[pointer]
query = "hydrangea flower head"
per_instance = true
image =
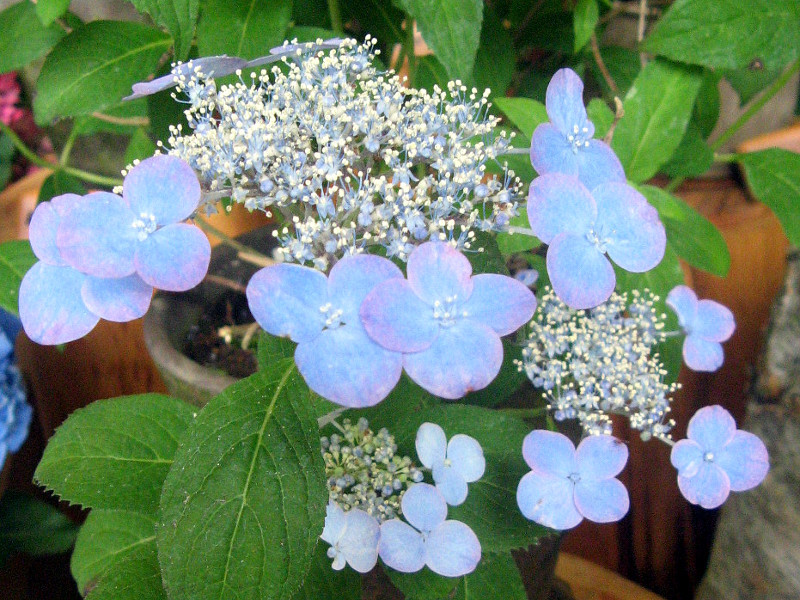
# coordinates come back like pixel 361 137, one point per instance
pixel 582 227
pixel 707 323
pixel 334 354
pixel 353 536
pixel 15 412
pixel 446 322
pixel 566 485
pixel 716 458
pixel 565 145
pixel 454 464
pixel 448 548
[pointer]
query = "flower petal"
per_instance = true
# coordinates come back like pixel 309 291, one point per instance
pixel 600 457
pixel 745 460
pixel 466 356
pixel 43 227
pixel 174 258
pixel 355 276
pixel 580 275
pixel 437 271
pixel 598 164
pixel 709 487
pixel 711 427
pixel 549 452
pixel 548 500
pixel 395 317
pixel 466 456
pixel 335 523
pixel 713 321
pixel 683 301
pixel 120 300
pixel 450 483
pixel 557 204
pixel 424 507
pixel 564 103
pixel 603 501
pixel 702 355
pixel 50 305
pixel 686 456
pixel 452 549
pixel 501 302
pixel 401 546
pixel 162 186
pixel 431 444
pixel 551 152
pixel 359 541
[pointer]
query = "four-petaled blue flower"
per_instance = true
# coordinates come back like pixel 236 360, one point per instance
pixel 334 354
pixel 448 548
pixel 353 536
pixel 453 464
pixel 707 323
pixel 565 145
pixel 716 458
pixel 581 227
pixel 446 322
pixel 566 485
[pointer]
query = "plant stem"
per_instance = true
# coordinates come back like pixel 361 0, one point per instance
pixel 410 51
pixel 598 58
pixel 335 12
pixel 64 158
pixel 226 239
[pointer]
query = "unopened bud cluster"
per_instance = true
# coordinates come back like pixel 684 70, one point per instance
pixel 364 471
pixel 592 364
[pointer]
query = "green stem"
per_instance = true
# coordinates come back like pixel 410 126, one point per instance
pixel 410 51
pixel 730 157
pixel 335 12
pixel 65 151
pixel 226 239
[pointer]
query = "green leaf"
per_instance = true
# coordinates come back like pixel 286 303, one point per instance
pixel 29 525
pixel 115 453
pixel 706 108
pixel 16 257
pixel 692 157
pixel 106 538
pixel 497 576
pixel 430 72
pixel 163 112
pixel 507 382
pixel 272 349
pixel 601 116
pixel 451 28
pixel 139 147
pixel 134 577
pixel 694 238
pixel 485 256
pixel 247 29
pixel 728 34
pixel 749 82
pixel 309 34
pixel 123 118
pixel 774 177
pixel 321 581
pixel 657 110
pixel 623 65
pixel 178 16
pixel 510 243
pixel 95 66
pixel 423 585
pixel 586 16
pixel 495 60
pixel 404 401
pixel 24 37
pixel 525 114
pixel 58 183
pixel 49 10
pixel 244 503
pixel 520 164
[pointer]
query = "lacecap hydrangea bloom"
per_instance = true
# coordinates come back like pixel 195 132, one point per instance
pixel 15 412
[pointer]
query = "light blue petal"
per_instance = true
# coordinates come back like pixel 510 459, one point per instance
pixel 44 228
pixel 597 164
pixel 711 427
pixel 548 500
pixel 286 299
pixel 564 103
pixel 709 487
pixel 162 186
pixel 601 457
pixel 50 305
pixel 686 456
pixel 745 459
pixel 702 355
pixel 359 541
pixel 557 204
pixel 452 550
pixel 218 66
pixel 501 302
pixel 450 483
pixel 551 152
pixel 713 321
pixel 580 275
pixel 174 258
pixel 549 452
pixel 603 501
pixel 97 236
pixel 466 456
pixel 466 356
pixel 683 301
pixel 437 271
pixel 431 444
pixel 120 300
pixel 401 547
pixel 23 414
pixel 344 366
pixel 396 318
pixel 335 524
pixel 355 276
pixel 630 228
pixel 424 507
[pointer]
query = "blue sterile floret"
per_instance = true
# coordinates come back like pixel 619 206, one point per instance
pixel 353 536
pixel 453 464
pixel 15 412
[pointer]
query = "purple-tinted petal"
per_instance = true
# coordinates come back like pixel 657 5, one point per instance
pixel 702 355
pixel 437 271
pixel 216 66
pixel 452 549
pixel 450 483
pixel 501 302
pixel 551 152
pixel 97 236
pixel 146 88
pixel 395 317
pixel 285 299
pixel 548 500
pixel 287 48
pixel 603 501
pixel 424 507
pixel 466 356
pixel 745 460
pixel 401 546
pixel 174 258
pixel 550 453
pixel 162 186
pixel 431 444
pixel 711 427
pixel 598 164
pixel 43 228
pixel 686 456
pixel 713 321
pixel 344 366
pixel 359 541
pixel 709 486
pixel 335 524
pixel 557 204
pixel 564 103
pixel 683 301
pixel 466 456
pixel 629 227
pixel 120 300
pixel 50 305
pixel 580 275
pixel 353 277
pixel 600 457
